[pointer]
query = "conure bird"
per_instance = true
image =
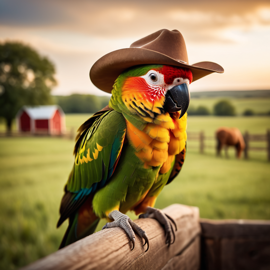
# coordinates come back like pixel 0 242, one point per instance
pixel 126 153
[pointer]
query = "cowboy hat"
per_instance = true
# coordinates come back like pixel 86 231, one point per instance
pixel 162 47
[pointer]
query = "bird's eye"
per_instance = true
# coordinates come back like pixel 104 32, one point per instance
pixel 153 77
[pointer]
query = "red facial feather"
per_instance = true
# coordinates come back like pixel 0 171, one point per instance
pixel 140 85
pixel 170 73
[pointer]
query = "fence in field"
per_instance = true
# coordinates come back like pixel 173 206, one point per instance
pixel 67 135
pixel 249 139
pixel 258 138
pixel 199 244
pixel 192 136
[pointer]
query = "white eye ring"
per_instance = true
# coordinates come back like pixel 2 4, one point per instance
pixel 153 77
pixel 180 80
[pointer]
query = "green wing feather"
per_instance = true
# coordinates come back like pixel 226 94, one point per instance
pixel 97 152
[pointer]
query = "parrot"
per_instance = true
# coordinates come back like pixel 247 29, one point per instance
pixel 126 153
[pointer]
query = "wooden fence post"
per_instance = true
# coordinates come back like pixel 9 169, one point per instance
pixel 235 244
pixel 201 136
pixel 72 134
pixel 268 144
pixel 246 138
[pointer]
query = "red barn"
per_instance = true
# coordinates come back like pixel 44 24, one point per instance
pixel 41 120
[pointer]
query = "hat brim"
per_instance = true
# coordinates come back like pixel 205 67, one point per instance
pixel 105 70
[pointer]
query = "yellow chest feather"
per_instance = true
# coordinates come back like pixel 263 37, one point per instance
pixel 159 142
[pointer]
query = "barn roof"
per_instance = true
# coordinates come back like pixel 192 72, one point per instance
pixel 42 112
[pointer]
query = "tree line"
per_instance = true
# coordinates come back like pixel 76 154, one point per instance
pixel 222 108
pixel 78 103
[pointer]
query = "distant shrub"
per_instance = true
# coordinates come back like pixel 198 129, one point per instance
pixel 248 112
pixel 79 103
pixel 224 108
pixel 202 110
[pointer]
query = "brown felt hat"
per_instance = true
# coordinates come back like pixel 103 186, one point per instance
pixel 162 47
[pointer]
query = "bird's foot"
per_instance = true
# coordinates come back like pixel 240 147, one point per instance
pixel 124 222
pixel 166 222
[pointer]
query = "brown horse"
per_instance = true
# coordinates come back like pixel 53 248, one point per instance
pixel 230 137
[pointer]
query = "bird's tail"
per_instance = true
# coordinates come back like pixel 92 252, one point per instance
pixel 72 234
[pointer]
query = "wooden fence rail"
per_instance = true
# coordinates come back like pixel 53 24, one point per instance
pixel 249 138
pixel 110 249
pixel 15 134
pixel 199 245
pixel 192 136
pixel 257 138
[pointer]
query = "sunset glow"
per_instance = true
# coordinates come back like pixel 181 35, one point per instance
pixel 234 34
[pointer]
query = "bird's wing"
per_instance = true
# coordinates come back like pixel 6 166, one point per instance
pixel 97 152
pixel 178 164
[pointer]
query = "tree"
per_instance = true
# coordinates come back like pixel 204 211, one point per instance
pixel 224 108
pixel 202 110
pixel 248 112
pixel 26 78
pixel 77 103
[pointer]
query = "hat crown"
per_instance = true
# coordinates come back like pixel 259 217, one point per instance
pixel 163 47
pixel 170 43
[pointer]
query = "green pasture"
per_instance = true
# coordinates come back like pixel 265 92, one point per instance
pixel 33 171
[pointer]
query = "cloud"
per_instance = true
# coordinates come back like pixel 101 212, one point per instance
pixel 199 20
pixel 74 34
pixel 30 13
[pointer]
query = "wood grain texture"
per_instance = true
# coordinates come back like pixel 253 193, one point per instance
pixel 110 249
pixel 246 254
pixel 235 228
pixel 188 259
pixel 235 244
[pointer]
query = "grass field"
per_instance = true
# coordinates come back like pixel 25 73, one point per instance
pixel 34 171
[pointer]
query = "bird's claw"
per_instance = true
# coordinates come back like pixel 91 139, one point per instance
pixel 124 222
pixel 166 221
pixel 132 243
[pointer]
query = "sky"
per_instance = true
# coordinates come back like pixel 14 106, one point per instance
pixel 75 34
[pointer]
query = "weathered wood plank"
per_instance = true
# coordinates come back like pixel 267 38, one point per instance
pixel 109 249
pixel 235 244
pixel 186 260
pixel 235 228
pixel 246 254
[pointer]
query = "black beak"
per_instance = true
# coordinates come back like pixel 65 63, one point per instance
pixel 177 99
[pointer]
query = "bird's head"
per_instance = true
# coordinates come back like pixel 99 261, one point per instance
pixel 152 90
